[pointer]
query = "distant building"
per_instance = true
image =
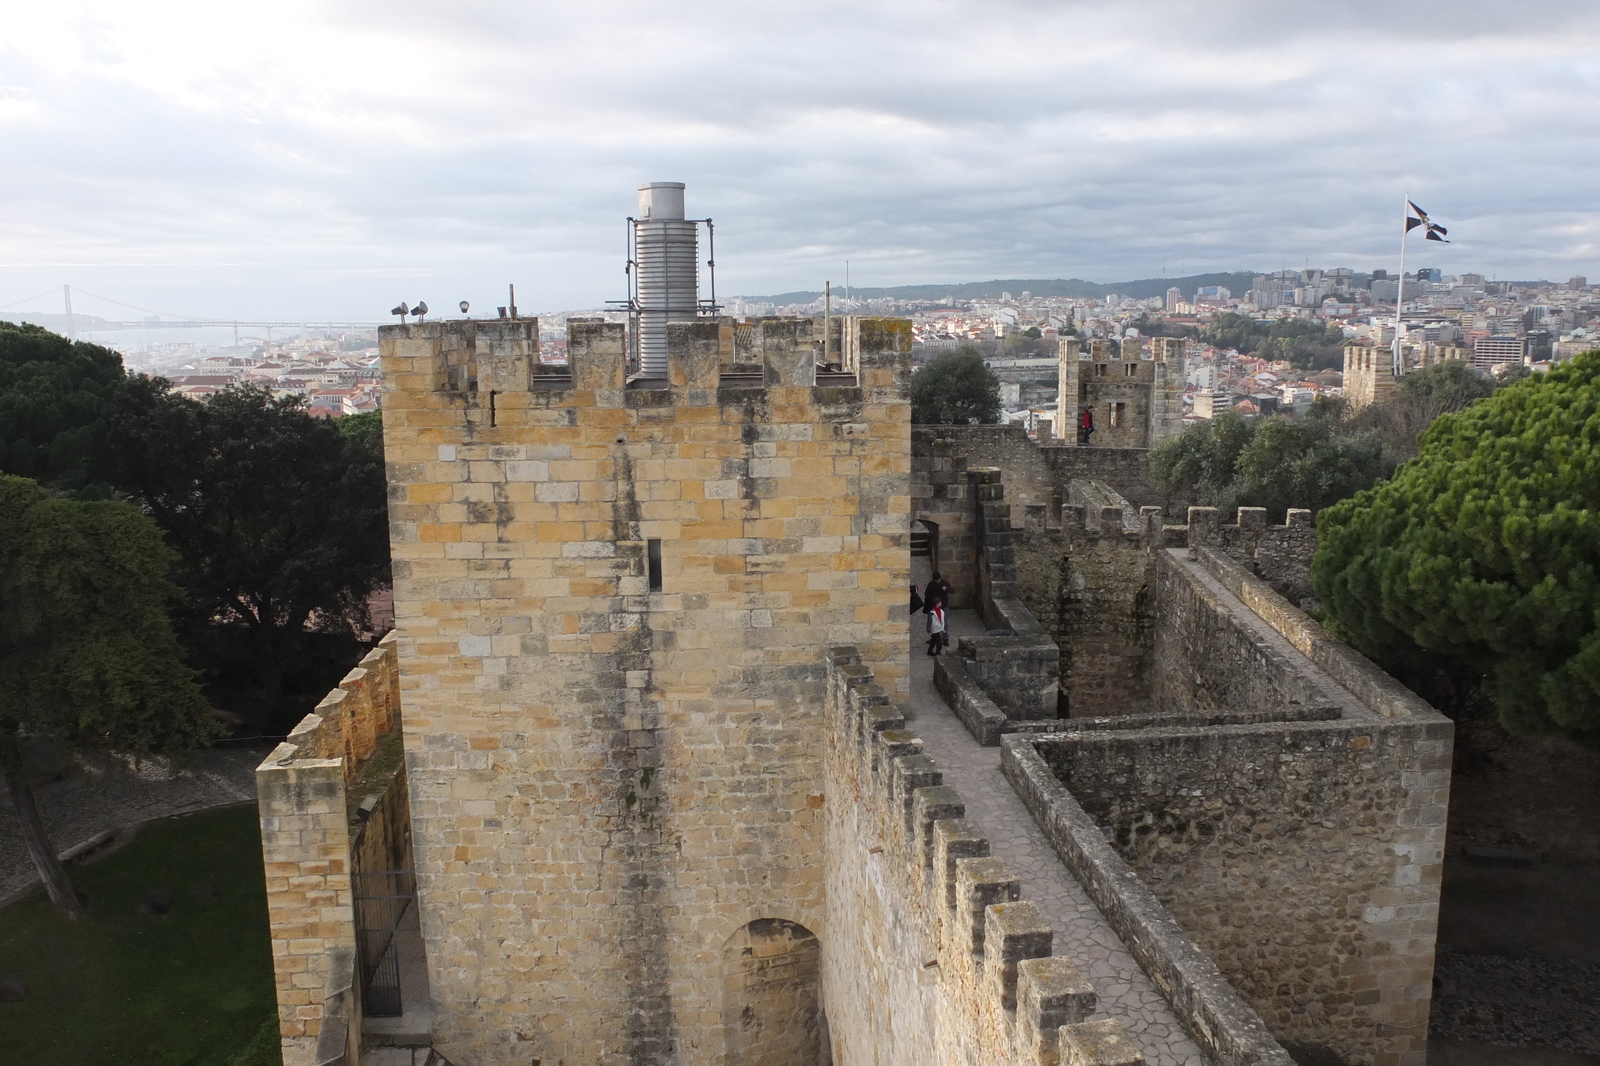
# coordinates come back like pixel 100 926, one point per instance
pixel 1489 352
pixel 1174 298
pixel 1579 282
pixel 1472 281
pixel 1565 349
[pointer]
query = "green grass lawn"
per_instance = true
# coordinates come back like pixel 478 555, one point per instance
pixel 192 987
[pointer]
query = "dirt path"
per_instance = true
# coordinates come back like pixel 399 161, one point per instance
pixel 87 802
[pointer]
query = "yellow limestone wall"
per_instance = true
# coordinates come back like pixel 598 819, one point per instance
pixel 306 838
pixel 608 783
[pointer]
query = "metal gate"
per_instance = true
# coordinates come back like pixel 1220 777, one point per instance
pixel 382 899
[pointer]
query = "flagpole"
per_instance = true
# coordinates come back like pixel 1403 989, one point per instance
pixel 1400 290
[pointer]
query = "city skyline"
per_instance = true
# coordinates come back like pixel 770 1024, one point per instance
pixel 330 162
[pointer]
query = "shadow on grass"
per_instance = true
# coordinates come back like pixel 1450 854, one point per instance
pixel 126 986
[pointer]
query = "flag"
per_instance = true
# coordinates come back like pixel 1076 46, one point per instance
pixel 1435 232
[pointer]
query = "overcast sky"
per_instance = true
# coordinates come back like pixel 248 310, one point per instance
pixel 302 158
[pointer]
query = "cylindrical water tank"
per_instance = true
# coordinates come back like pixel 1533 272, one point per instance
pixel 667 264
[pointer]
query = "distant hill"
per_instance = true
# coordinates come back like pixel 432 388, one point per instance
pixel 1142 289
pixel 54 322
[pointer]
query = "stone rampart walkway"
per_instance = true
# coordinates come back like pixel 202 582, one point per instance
pixel 1081 933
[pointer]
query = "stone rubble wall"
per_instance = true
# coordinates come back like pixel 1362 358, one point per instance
pixel 1033 474
pixel 933 956
pixel 1092 584
pixel 1017 666
pixel 1205 657
pixel 1278 555
pixel 981 715
pixel 306 838
pixel 939 500
pixel 1213 1012
pixel 382 839
pixel 1303 854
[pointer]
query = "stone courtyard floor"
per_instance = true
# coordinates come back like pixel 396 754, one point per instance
pixel 1125 993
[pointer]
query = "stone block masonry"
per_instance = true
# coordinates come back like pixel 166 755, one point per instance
pixel 1135 402
pixel 1016 664
pixel 307 838
pixel 614 601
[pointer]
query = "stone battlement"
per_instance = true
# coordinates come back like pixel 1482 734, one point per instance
pixel 1369 375
pixel 1135 402
pixel 903 855
pixel 349 720
pixel 313 841
pixel 491 368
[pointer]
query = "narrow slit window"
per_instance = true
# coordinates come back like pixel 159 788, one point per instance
pixel 653 563
pixel 1116 413
pixel 1132 369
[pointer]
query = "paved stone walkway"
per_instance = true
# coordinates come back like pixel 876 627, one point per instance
pixel 86 802
pixel 1082 934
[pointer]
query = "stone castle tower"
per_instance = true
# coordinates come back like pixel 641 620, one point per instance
pixel 1135 402
pixel 1369 375
pixel 614 601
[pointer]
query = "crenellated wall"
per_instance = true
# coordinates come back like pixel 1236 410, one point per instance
pixel 934 956
pixel 310 836
pixel 1033 476
pixel 1092 584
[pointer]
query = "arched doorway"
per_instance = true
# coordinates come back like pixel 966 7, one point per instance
pixel 925 541
pixel 772 996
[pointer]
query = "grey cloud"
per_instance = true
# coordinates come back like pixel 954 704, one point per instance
pixel 921 141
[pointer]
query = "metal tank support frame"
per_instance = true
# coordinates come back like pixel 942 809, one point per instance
pixel 661 266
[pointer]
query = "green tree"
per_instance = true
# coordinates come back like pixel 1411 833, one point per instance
pixel 1303 342
pixel 1277 462
pixel 1028 343
pixel 1160 327
pixel 87 652
pixel 1200 466
pixel 1484 551
pixel 955 388
pixel 54 396
pixel 1305 462
pixel 279 518
pixel 1422 397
